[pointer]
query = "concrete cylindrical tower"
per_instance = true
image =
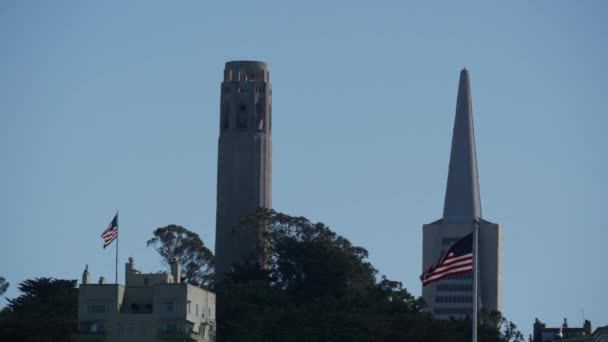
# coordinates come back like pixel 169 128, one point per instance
pixel 244 166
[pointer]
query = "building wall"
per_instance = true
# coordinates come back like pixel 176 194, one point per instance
pixel 452 296
pixel 244 160
pixel 159 312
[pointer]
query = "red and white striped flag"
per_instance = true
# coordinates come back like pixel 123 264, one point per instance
pixel 111 233
pixel 456 260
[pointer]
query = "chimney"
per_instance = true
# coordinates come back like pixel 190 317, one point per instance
pixel 587 327
pixel 176 272
pixel 86 276
pixel 102 280
pixel 565 325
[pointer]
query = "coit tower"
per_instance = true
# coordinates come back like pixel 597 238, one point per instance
pixel 244 163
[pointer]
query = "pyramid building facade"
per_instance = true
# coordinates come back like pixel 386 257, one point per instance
pixel 453 296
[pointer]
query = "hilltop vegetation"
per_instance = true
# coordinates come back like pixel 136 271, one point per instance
pixel 315 286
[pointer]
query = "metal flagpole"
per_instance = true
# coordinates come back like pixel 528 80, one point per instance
pixel 116 265
pixel 475 273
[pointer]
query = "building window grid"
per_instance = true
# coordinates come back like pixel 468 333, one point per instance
pixel 465 276
pixel 453 299
pixel 452 311
pixel 454 287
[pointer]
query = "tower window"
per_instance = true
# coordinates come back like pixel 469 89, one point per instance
pixel 242 121
pixel 225 117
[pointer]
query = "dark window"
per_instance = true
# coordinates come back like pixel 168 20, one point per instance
pixel 169 307
pixel 225 116
pixel 242 121
pixel 260 113
pixel 454 299
pixel 98 308
pixel 455 287
pixel 452 311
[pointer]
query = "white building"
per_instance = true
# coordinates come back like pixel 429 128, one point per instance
pixel 149 307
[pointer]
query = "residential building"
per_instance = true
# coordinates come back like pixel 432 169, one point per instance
pixel 542 333
pixel 149 307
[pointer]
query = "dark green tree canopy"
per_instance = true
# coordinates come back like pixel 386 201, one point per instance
pixel 46 310
pixel 178 244
pixel 315 285
pixel 3 285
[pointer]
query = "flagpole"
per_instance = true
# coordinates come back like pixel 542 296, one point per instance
pixel 116 265
pixel 475 275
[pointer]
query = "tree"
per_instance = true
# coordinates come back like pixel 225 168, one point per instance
pixel 3 285
pixel 178 244
pixel 315 285
pixel 506 331
pixel 46 310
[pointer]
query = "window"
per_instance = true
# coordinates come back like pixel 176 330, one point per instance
pixel 189 305
pixel 169 307
pixel 169 327
pixel 455 287
pixel 131 328
pixel 146 281
pixel 98 308
pixel 455 299
pixel 96 327
pixel 452 311
pixel 225 116
pixel 242 121
pixel 462 276
pixel 196 308
pixel 91 327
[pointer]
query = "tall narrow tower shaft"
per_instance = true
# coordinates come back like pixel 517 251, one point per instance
pixel 244 167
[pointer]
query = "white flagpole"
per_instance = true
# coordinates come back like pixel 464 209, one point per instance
pixel 116 265
pixel 475 275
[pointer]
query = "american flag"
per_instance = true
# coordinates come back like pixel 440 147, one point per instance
pixel 111 233
pixel 456 260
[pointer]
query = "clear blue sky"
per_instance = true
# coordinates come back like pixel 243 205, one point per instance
pixel 112 105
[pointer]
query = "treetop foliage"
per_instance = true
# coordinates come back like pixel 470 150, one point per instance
pixel 3 285
pixel 315 285
pixel 46 310
pixel 177 244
